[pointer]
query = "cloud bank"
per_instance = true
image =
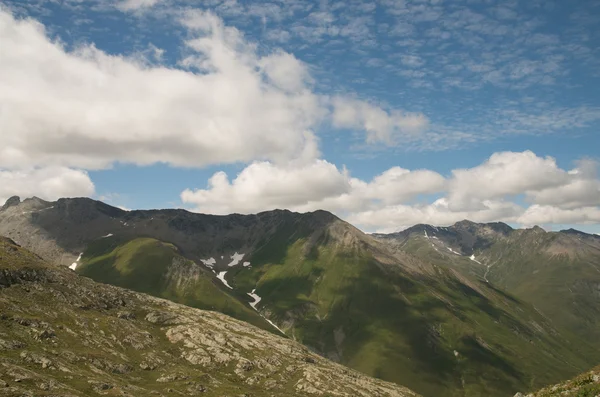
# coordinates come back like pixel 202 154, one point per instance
pixel 516 187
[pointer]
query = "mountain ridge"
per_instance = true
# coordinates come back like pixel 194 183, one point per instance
pixel 349 296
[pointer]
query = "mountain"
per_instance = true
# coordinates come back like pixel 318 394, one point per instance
pixel 557 272
pixel 63 334
pixel 360 300
pixel 584 385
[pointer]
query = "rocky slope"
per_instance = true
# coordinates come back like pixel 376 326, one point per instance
pixel 345 295
pixel 63 334
pixel 584 385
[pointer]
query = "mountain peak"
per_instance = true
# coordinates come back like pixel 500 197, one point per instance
pixel 464 223
pixel 11 202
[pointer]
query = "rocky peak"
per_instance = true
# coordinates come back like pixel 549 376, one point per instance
pixel 11 202
pixel 465 223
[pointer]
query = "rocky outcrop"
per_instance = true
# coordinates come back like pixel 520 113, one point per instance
pixel 11 202
pixel 587 384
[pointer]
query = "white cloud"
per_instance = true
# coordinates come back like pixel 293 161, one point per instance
pixel 394 199
pixel 581 190
pixel 48 183
pixel 130 5
pixel 544 214
pixel 263 186
pixel 503 174
pixel 286 71
pixel 398 217
pixel 87 109
pixel 307 187
pixel 380 125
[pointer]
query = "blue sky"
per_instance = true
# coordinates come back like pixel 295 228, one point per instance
pixel 386 88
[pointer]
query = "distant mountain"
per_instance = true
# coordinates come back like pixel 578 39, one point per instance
pixel 372 303
pixel 558 272
pixel 64 335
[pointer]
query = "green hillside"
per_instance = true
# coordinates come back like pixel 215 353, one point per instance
pixel 557 272
pixel 154 267
pixel 65 335
pixel 413 309
pixel 439 333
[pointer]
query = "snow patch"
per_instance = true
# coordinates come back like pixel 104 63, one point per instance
pixel 235 259
pixel 210 262
pixel 76 263
pixel 246 264
pixel 108 235
pixel 221 276
pixel 273 324
pixel 472 257
pixel 425 231
pixel 451 250
pixel 253 304
pixel 256 298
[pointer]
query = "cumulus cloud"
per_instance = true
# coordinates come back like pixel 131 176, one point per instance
pixel 582 189
pixel 49 183
pixel 398 217
pixel 89 109
pixel 503 174
pixel 544 214
pixel 398 198
pixel 224 104
pixel 317 185
pixel 380 125
pixel 263 185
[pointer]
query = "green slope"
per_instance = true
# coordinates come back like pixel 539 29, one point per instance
pixel 154 267
pixel 438 333
pixel 430 324
pixel 557 272
pixel 65 335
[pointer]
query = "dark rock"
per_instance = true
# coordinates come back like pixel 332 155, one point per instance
pixel 11 202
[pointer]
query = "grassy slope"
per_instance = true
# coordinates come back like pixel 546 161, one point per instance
pixel 564 287
pixel 144 265
pixel 393 326
pixel 88 333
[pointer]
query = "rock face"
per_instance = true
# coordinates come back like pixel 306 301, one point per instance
pixel 63 334
pixel 11 202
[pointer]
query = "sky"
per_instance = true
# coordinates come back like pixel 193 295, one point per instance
pixel 388 113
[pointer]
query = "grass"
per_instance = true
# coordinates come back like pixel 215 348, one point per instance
pixel 147 265
pixel 406 329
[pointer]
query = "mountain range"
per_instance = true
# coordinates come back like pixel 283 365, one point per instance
pixel 467 310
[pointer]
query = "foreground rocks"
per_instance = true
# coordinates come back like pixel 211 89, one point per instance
pixel 585 385
pixel 61 334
